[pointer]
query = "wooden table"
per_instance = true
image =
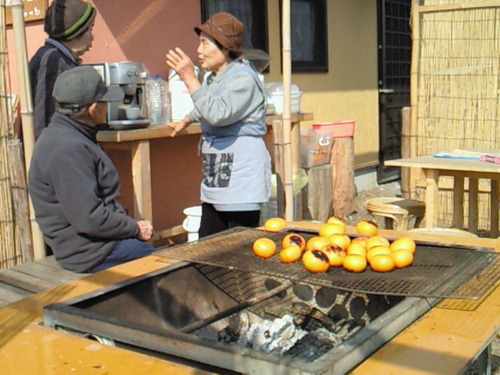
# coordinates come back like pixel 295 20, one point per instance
pixel 137 141
pixel 459 169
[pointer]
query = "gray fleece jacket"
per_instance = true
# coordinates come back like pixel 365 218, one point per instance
pixel 74 186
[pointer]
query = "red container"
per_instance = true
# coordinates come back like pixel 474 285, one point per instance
pixel 337 129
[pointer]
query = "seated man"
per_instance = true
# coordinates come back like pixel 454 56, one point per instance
pixel 74 185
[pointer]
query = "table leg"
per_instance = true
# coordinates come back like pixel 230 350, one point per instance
pixel 494 208
pixel 431 197
pixel 458 202
pixel 473 204
pixel 141 180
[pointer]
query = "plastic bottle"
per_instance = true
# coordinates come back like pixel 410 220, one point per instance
pixel 157 99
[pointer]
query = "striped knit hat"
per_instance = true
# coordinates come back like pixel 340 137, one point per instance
pixel 68 19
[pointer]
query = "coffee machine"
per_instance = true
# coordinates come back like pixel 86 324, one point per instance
pixel 131 112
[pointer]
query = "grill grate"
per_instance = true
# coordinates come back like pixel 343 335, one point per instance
pixel 437 271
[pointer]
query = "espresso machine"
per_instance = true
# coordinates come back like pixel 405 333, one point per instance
pixel 131 112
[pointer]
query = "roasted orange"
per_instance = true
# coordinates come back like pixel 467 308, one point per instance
pixel 354 263
pixel 327 230
pixel 377 250
pixel 315 261
pixel 317 242
pixel 376 241
pixel 382 263
pixel 367 228
pixel 264 247
pixel 335 254
pixel 404 243
pixel 335 220
pixel 402 258
pixel 356 248
pixel 293 239
pixel 274 224
pixel 360 240
pixel 342 240
pixel 290 254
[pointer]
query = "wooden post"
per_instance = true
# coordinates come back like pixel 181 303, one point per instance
pixel 342 167
pixel 405 150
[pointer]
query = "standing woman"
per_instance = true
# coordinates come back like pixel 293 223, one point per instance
pixel 230 104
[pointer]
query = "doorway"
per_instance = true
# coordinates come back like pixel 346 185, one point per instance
pixel 394 63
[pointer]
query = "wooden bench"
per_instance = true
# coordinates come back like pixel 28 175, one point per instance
pixel 33 277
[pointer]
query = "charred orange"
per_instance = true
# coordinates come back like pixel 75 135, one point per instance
pixel 315 261
pixel 293 239
pixel 335 254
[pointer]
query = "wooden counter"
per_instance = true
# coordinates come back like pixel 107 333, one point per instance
pixel 443 341
pixel 137 142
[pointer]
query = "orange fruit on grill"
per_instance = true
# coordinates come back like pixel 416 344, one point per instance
pixel 382 263
pixel 357 249
pixel 293 239
pixel 290 254
pixel 377 250
pixel 327 230
pixel 264 247
pixel 360 240
pixel 342 240
pixel 354 263
pixel 335 220
pixel 402 258
pixel 404 243
pixel 367 228
pixel 335 254
pixel 376 241
pixel 317 242
pixel 274 224
pixel 315 261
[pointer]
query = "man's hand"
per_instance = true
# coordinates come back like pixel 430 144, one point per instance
pixel 145 230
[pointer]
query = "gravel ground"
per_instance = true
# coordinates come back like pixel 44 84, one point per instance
pixel 393 190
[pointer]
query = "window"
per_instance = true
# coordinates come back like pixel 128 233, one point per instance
pixel 308 28
pixel 309 36
pixel 253 14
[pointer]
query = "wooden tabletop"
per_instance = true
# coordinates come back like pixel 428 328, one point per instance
pixel 431 162
pixel 162 131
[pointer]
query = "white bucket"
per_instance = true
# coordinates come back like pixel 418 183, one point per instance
pixel 191 223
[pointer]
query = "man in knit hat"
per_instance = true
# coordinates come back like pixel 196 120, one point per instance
pixel 68 24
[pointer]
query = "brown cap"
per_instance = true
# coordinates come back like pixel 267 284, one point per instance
pixel 225 29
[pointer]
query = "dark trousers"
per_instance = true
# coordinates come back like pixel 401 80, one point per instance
pixel 124 251
pixel 213 221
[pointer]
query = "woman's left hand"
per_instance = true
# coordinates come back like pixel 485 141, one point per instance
pixel 182 64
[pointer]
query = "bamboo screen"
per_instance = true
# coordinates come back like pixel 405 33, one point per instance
pixel 457 71
pixel 10 247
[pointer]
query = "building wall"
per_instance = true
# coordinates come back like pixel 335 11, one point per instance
pixel 145 30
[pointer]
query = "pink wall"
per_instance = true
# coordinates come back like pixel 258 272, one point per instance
pixel 129 30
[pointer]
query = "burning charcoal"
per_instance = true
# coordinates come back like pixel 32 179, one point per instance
pixel 275 336
pixel 314 345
